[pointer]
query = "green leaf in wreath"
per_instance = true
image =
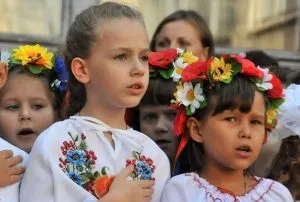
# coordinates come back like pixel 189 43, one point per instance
pixel 35 69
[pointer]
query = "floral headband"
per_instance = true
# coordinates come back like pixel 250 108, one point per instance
pixel 190 74
pixel 38 59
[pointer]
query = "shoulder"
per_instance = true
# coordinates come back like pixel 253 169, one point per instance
pixel 270 190
pixel 184 187
pixel 184 181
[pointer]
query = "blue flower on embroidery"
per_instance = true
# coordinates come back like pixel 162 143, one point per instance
pixel 76 157
pixel 144 170
pixel 75 177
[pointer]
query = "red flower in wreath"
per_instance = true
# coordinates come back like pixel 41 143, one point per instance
pixel 276 91
pixel 197 70
pixel 248 67
pixel 162 58
pixel 179 121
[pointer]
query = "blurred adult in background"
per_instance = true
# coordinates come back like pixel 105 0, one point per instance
pixel 184 29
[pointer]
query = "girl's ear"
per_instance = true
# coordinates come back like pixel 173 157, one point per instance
pixel 80 70
pixel 3 74
pixel 193 126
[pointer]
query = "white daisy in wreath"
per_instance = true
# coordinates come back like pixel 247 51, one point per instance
pixel 265 84
pixel 190 96
pixel 179 66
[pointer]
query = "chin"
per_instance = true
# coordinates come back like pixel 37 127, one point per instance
pixel 132 103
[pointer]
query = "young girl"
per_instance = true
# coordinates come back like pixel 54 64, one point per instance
pixel 225 106
pixel 27 107
pixel 79 159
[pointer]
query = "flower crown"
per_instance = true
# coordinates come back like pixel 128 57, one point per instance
pixel 190 74
pixel 38 59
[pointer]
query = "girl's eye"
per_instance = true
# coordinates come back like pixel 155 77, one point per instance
pixel 120 57
pixel 37 106
pixel 256 122
pixel 150 117
pixel 12 107
pixel 230 119
pixel 144 58
pixel 171 115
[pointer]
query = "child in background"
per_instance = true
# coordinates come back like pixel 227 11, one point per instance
pixel 31 99
pixel 27 107
pixel 225 107
pixel 84 157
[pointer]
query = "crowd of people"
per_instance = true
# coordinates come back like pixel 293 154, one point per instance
pixel 119 117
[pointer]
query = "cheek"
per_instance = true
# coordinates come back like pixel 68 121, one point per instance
pixel 44 120
pixel 8 124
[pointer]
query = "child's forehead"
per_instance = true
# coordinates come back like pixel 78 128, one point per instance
pixel 121 30
pixel 237 104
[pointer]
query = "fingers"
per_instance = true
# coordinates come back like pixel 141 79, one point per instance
pixel 13 161
pixel 6 154
pixel 15 178
pixel 125 172
pixel 16 170
pixel 145 184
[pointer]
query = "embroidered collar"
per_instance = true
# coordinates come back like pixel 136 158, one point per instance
pixel 129 136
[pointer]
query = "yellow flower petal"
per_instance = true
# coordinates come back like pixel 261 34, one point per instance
pixel 189 58
pixel 33 55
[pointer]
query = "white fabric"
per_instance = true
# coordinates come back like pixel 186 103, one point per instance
pixel 11 193
pixel 45 181
pixel 190 187
pixel 289 113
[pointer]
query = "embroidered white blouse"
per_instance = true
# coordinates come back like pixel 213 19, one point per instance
pixel 11 193
pixel 190 187
pixel 73 161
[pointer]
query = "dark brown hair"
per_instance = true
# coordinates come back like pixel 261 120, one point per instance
pixel 196 20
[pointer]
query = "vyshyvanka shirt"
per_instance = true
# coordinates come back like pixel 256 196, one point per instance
pixel 190 187
pixel 73 161
pixel 11 193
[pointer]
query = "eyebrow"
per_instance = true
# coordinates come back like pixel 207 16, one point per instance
pixel 129 49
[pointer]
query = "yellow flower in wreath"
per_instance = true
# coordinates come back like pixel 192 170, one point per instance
pixel 189 58
pixel 33 55
pixel 219 70
pixel 271 115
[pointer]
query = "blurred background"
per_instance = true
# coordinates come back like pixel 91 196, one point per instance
pixel 237 25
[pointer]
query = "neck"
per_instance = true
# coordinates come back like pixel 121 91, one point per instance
pixel 112 116
pixel 225 178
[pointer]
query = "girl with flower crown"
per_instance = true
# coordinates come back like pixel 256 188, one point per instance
pixel 29 103
pixel 94 155
pixel 225 108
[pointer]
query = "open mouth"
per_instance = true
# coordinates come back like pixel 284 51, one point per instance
pixel 161 142
pixel 244 148
pixel 26 132
pixel 135 86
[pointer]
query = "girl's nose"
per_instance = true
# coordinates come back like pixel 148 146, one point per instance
pixel 25 114
pixel 245 131
pixel 161 126
pixel 139 68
